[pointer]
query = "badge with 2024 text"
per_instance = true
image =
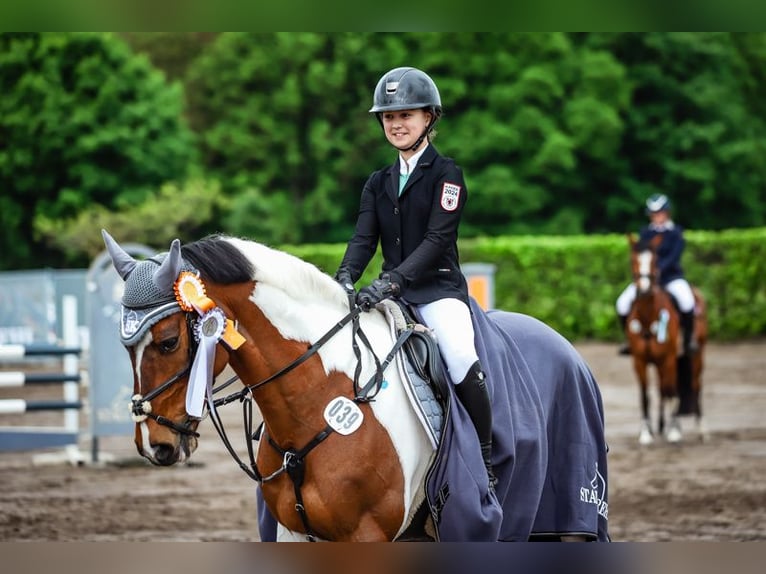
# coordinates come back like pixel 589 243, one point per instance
pixel 450 196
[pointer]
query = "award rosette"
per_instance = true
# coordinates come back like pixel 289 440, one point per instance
pixel 208 331
pixel 190 293
pixel 211 327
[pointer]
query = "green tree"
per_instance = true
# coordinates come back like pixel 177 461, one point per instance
pixel 281 121
pixel 171 52
pixel 695 128
pixel 82 121
pixel 173 211
pixel 536 121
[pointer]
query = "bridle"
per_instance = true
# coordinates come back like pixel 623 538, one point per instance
pixel 293 459
pixel 141 406
pixel 647 287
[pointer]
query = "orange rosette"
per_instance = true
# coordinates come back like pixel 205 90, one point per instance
pixel 190 293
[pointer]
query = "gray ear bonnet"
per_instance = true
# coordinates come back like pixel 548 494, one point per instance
pixel 149 294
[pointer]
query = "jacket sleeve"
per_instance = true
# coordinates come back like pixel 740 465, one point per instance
pixel 362 245
pixel 449 198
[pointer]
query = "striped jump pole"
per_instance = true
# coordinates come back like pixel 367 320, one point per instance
pixel 14 438
pixel 20 406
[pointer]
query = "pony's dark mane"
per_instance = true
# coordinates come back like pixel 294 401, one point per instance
pixel 218 260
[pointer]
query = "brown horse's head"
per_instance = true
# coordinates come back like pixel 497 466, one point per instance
pixel 159 336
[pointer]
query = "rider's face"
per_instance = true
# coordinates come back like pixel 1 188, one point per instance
pixel 658 217
pixel 404 127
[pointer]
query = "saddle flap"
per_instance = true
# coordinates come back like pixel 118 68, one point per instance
pixel 422 351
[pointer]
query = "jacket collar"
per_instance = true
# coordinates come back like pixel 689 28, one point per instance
pixel 392 182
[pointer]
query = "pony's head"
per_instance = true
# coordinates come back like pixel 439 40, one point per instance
pixel 643 263
pixel 159 335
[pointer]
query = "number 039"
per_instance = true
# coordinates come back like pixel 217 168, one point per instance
pixel 343 415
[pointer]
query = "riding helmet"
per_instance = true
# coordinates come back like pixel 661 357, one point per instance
pixel 657 202
pixel 406 89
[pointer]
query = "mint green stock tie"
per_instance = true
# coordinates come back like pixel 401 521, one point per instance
pixel 403 177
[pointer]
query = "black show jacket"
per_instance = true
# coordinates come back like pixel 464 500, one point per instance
pixel 418 230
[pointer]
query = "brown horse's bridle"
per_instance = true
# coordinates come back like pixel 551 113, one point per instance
pixel 141 407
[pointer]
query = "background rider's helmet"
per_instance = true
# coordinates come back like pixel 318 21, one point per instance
pixel 406 89
pixel 657 202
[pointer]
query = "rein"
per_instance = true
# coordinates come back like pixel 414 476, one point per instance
pixel 293 461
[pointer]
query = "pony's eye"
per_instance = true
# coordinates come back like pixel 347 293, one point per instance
pixel 168 345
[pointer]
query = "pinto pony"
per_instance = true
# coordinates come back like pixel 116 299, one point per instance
pixel 342 453
pixel 653 332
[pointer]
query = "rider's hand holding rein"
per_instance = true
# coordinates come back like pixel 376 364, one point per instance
pixel 375 292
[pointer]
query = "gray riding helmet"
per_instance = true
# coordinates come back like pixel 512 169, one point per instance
pixel 657 202
pixel 405 89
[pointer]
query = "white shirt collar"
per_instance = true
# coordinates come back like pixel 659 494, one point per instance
pixel 406 167
pixel 662 226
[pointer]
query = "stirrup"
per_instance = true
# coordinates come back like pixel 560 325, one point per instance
pixel 492 479
pixel 624 349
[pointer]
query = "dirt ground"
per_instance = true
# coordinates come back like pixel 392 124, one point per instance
pixel 711 490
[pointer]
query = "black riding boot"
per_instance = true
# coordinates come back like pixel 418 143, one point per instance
pixel 473 393
pixel 624 346
pixel 687 325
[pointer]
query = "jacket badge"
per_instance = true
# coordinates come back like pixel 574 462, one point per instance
pixel 450 196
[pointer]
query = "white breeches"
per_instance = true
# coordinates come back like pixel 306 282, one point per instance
pixel 679 288
pixel 450 319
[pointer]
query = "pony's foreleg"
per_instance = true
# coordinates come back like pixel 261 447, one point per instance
pixel 669 400
pixel 645 435
pixel 701 426
pixel 674 429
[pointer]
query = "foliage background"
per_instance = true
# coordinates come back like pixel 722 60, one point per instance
pixel 267 135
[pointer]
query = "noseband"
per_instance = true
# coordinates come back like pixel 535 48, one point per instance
pixel 141 406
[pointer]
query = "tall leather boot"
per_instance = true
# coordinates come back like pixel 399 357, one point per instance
pixel 473 393
pixel 687 325
pixel 624 346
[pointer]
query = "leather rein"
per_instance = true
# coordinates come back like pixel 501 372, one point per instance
pixel 293 461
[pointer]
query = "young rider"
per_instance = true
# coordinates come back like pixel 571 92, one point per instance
pixel 671 275
pixel 413 208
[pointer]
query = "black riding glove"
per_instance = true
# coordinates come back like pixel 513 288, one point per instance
pixel 344 278
pixel 375 292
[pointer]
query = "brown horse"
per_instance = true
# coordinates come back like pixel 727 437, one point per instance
pixel 653 332
pixel 343 454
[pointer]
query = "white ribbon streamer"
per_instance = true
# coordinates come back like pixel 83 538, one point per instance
pixel 209 329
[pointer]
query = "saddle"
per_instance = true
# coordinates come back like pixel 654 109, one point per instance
pixel 425 374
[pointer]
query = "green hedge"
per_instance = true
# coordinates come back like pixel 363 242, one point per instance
pixel 572 282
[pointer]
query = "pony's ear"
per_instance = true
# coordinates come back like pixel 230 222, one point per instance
pixel 122 261
pixel 167 273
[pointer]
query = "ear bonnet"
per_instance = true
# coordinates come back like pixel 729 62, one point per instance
pixel 149 294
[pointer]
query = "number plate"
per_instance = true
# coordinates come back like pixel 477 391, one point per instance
pixel 343 415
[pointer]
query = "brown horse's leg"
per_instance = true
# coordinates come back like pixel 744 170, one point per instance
pixel 668 373
pixel 640 367
pixel 697 364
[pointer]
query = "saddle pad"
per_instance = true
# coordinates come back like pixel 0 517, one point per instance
pixel 420 393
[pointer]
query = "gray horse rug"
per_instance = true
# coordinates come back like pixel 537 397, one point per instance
pixel 549 450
